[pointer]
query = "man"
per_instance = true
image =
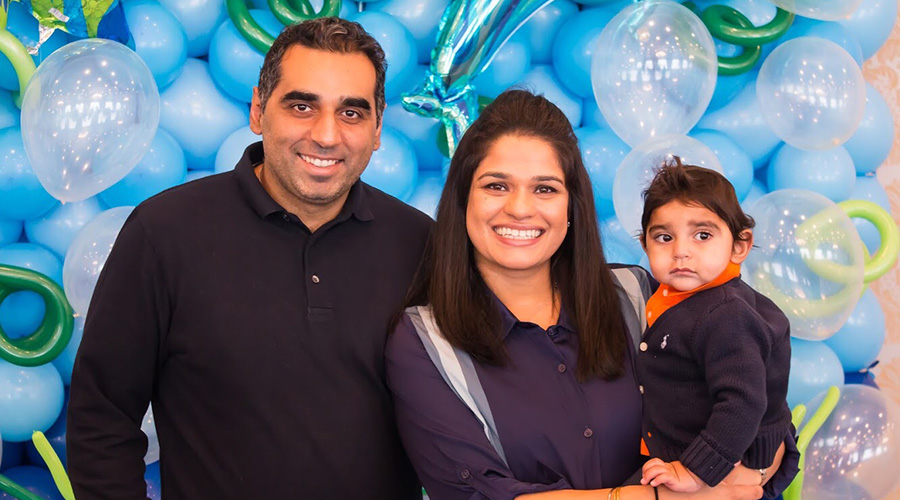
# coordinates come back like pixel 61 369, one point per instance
pixel 252 307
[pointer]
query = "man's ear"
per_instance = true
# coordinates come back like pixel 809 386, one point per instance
pixel 742 246
pixel 256 113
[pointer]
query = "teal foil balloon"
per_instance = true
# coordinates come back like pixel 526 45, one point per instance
pixel 470 33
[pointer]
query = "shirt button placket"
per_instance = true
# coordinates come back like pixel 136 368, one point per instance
pixel 315 279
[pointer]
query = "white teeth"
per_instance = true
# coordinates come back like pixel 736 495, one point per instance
pixel 516 234
pixel 317 162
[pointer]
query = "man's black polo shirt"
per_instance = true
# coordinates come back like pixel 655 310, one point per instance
pixel 260 345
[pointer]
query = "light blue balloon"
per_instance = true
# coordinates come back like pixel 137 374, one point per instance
pixel 759 12
pixel 399 49
pixel 591 116
pixel 728 87
pixel 233 63
pixel 22 312
pixel 868 188
pixel 541 29
pixel 66 359
pixel 615 252
pixel 10 231
pixel 198 115
pixel 829 172
pixel 737 166
pixel 163 166
pixel 30 399
pixel 421 131
pixel 199 19
pixel 574 46
pixel 510 64
pixel 858 343
pixel 428 193
pixel 193 175
pixel 871 23
pixel 829 30
pixel 870 144
pixel 393 168
pixel 158 38
pixel 757 190
pixel 542 80
pixel 233 147
pixel 21 194
pixel 611 229
pixel 25 27
pixel 602 152
pixel 57 228
pixel 9 112
pixel 742 121
pixel 420 17
pixel 814 368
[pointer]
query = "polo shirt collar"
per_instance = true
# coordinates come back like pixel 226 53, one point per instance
pixel 356 205
pixel 508 320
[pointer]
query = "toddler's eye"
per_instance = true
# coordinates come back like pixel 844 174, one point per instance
pixel 703 235
pixel 663 238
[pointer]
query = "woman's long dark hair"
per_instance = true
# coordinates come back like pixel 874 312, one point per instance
pixel 450 282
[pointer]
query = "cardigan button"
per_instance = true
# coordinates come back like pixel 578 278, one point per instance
pixel 643 346
pixel 588 432
pixel 465 474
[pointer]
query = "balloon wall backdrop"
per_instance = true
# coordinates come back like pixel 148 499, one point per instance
pixel 106 103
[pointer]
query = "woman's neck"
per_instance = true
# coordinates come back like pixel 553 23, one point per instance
pixel 530 295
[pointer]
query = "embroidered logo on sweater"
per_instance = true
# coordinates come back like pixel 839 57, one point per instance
pixel 663 344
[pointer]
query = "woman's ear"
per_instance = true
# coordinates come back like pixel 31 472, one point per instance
pixel 742 246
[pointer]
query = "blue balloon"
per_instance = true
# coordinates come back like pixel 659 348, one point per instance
pixel 193 175
pixel 37 480
pixel 511 62
pixel 21 24
pixel 158 38
pixel 814 368
pixel 233 63
pixel 13 455
pixel 21 194
pixel 30 399
pixel 617 253
pixel 736 164
pixel 154 485
pixel 233 148
pixel 10 231
pixel 22 312
pixel 56 436
pixel 393 167
pixel 574 46
pixel 198 115
pixel 542 27
pixel 591 116
pixel 829 30
pixel 868 188
pixel 66 359
pixel 199 19
pixel 870 144
pixel 728 87
pixel 421 131
pixel 57 228
pixel 611 230
pixel 757 191
pixel 602 152
pixel 399 48
pixel 859 341
pixel 542 80
pixel 428 193
pixel 871 23
pixel 861 378
pixel 759 12
pixel 9 113
pixel 742 120
pixel 420 17
pixel 829 172
pixel 162 167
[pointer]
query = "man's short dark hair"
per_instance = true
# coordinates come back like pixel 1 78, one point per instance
pixel 693 185
pixel 331 34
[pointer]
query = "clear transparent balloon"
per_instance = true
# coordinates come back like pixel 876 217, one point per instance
pixel 148 427
pixel 825 10
pixel 854 455
pixel 811 93
pixel 654 70
pixel 88 116
pixel 807 258
pixel 87 255
pixel 639 166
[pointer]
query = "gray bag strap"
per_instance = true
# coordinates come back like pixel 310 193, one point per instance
pixel 457 370
pixel 634 290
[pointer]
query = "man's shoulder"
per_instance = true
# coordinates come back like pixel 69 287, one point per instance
pixel 389 207
pixel 201 196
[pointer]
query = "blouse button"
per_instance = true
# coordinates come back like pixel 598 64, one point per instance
pixel 561 368
pixel 465 474
pixel 315 279
pixel 643 346
pixel 641 388
pixel 588 432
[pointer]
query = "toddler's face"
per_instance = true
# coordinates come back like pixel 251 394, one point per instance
pixel 689 245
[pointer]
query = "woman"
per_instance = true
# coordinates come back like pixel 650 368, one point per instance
pixel 513 376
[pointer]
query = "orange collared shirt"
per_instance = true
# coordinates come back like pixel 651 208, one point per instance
pixel 667 297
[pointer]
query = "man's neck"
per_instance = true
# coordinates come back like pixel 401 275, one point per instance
pixel 312 215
